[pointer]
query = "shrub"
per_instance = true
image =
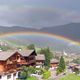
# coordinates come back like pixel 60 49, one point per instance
pixel 46 74
pixel 22 75
pixel 32 78
pixel 17 79
pixel 76 70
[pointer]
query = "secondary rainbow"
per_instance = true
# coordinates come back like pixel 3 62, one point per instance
pixel 39 33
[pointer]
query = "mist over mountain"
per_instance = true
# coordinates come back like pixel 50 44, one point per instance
pixel 71 30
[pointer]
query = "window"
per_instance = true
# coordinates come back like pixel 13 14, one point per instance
pixel 0 76
pixel 22 58
pixel 14 74
pixel 8 76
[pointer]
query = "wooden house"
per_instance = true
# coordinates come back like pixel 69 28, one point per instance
pixel 28 57
pixel 40 59
pixel 10 61
pixel 54 63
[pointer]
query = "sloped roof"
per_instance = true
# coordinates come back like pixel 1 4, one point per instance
pixel 4 55
pixel 78 67
pixel 40 57
pixel 25 53
pixel 54 61
pixel 73 64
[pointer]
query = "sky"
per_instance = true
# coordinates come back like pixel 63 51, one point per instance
pixel 39 13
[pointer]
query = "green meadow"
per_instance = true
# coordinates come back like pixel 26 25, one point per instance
pixel 71 77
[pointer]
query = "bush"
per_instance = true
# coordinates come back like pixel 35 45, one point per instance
pixel 17 79
pixel 31 70
pixel 46 74
pixel 22 75
pixel 5 48
pixel 32 78
pixel 76 70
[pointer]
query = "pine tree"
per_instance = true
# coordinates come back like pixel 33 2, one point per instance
pixel 48 56
pixel 61 66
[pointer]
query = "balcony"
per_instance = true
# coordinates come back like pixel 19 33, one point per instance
pixel 22 62
pixel 31 61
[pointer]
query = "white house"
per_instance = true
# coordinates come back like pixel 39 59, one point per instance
pixel 10 76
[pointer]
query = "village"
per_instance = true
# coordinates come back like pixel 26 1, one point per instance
pixel 39 39
pixel 29 64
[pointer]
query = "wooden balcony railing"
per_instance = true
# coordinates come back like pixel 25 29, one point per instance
pixel 31 61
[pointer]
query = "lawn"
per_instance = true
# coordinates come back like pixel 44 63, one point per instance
pixel 32 78
pixel 71 77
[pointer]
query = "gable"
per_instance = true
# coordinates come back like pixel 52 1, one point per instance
pixel 33 53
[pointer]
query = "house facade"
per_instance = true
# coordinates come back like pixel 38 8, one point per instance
pixel 12 61
pixel 28 58
pixel 54 63
pixel 9 76
pixel 40 59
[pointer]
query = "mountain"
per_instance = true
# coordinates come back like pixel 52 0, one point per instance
pixel 71 30
pixel 4 29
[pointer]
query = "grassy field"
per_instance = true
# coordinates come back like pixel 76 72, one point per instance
pixel 71 77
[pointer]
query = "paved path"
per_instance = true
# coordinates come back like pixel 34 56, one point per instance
pixel 54 77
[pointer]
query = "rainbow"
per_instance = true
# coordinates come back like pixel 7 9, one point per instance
pixel 40 34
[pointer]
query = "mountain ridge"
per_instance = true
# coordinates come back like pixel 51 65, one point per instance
pixel 71 30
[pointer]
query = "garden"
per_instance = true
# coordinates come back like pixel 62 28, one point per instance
pixel 32 73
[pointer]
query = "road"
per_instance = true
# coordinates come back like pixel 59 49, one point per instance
pixel 54 77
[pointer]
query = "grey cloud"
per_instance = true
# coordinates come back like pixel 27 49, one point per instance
pixel 35 17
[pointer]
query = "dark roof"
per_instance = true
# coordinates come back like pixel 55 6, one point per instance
pixel 40 57
pixel 4 55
